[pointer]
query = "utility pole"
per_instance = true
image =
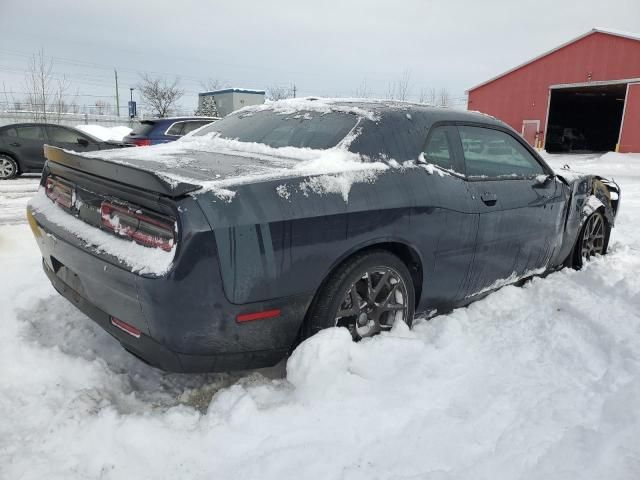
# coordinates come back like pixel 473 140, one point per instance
pixel 117 94
pixel 294 90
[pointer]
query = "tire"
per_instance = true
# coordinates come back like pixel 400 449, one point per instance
pixel 362 274
pixel 8 168
pixel 592 240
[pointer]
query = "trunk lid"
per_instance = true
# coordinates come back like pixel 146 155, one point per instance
pixel 124 173
pixel 171 171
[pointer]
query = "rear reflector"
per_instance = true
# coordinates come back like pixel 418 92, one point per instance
pixel 125 327
pixel 249 317
pixel 141 228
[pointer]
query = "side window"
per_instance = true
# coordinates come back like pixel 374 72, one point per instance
pixel 9 132
pixel 62 135
pixel 175 129
pixel 491 153
pixel 31 132
pixel 438 149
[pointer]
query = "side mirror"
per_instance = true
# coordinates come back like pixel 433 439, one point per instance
pixel 82 141
pixel 543 179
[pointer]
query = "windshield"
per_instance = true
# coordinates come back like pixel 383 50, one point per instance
pixel 303 129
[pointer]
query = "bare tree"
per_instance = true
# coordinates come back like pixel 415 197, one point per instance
pixel 278 92
pixel 60 104
pixel 213 84
pixel 444 98
pixel 159 94
pixel 428 96
pixel 362 91
pixel 399 90
pixel 404 86
pixel 45 92
pixel 102 107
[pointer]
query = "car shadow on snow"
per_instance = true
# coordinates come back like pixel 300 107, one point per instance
pixel 55 323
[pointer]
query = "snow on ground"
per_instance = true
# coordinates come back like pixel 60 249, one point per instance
pixel 536 382
pixel 106 133
pixel 13 198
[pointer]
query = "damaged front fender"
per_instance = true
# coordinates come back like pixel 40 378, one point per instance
pixel 588 194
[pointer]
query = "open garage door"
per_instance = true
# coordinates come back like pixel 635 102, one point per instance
pixel 585 118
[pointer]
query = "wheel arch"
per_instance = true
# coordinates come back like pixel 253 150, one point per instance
pixel 401 248
pixel 398 247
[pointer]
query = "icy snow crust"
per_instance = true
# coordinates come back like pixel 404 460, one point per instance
pixel 538 382
pixel 139 258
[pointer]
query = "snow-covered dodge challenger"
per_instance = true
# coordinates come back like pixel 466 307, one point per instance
pixel 227 248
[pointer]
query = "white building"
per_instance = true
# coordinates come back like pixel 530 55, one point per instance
pixel 231 99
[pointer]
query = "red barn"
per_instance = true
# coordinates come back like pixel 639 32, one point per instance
pixel 581 96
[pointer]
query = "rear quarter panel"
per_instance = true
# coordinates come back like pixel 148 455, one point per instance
pixel 280 238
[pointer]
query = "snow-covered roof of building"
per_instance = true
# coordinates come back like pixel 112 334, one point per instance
pixel 234 90
pixel 608 31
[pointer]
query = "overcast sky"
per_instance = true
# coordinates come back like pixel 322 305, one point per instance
pixel 323 47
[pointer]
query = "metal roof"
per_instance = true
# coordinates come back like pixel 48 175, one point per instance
pixel 234 90
pixel 617 33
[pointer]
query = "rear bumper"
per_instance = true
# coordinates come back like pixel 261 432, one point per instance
pixel 187 324
pixel 156 354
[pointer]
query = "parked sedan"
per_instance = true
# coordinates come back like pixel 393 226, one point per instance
pixel 226 249
pixel 163 130
pixel 22 145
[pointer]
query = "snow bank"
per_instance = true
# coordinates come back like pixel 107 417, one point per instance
pixel 106 133
pixel 536 382
pixel 141 259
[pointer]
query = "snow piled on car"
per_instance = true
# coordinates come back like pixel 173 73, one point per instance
pixel 332 170
pixel 536 382
pixel 116 133
pixel 293 106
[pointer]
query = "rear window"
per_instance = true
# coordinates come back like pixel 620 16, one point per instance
pixel 191 126
pixel 144 128
pixel 303 129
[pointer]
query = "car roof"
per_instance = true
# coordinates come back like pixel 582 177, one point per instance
pixel 39 124
pixel 374 108
pixel 176 119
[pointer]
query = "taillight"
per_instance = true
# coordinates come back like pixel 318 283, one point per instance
pixel 59 192
pixel 142 142
pixel 141 228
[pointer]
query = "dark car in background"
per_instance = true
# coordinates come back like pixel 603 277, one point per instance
pixel 22 145
pixel 226 250
pixel 163 130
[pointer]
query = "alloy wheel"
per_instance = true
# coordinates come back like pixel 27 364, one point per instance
pixel 373 303
pixel 593 237
pixel 7 168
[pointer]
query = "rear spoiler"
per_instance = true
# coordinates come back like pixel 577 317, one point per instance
pixel 125 174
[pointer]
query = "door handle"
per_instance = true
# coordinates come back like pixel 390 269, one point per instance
pixel 15 144
pixel 489 198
